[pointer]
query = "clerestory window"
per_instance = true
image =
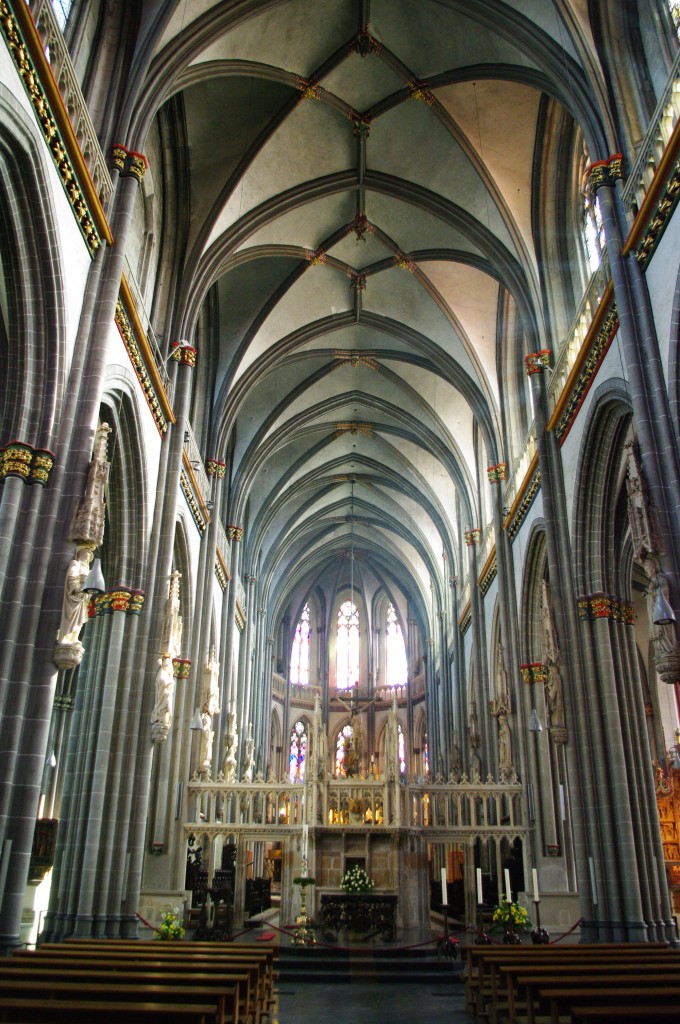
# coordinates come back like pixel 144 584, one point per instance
pixel 395 653
pixel 299 658
pixel 347 646
pixel 297 757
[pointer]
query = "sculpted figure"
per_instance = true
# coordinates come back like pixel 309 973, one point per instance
pixel 161 716
pixel 75 603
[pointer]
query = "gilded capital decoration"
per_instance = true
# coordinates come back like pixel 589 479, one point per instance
pixel 234 532
pixel 537 361
pixel 181 667
pixel 472 536
pixel 128 163
pixel 216 468
pixel 32 465
pixel 499 472
pixel 533 672
pixel 604 172
pixel 185 355
pixel 122 599
pixel 604 606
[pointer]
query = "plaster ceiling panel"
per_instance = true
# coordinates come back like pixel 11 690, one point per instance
pixel 307 226
pixel 241 294
pixel 397 294
pixel 411 142
pixel 412 228
pixel 182 18
pixel 360 338
pixel 473 298
pixel 362 81
pixel 360 253
pixel 213 152
pixel 499 119
pixel 429 466
pixel 430 38
pixel 546 17
pixel 310 298
pixel 296 36
pixel 314 140
pixel 443 401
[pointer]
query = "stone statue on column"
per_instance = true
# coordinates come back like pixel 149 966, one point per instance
pixel 210 705
pixel 231 740
pixel 249 762
pixel 170 646
pixel 475 742
pixel 500 707
pixel 392 743
pixel 648 550
pixel 87 532
pixel 551 656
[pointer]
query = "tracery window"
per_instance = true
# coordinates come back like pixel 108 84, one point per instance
pixel 342 748
pixel 402 749
pixel 347 646
pixel 299 657
pixel 395 651
pixel 62 9
pixel 593 231
pixel 297 757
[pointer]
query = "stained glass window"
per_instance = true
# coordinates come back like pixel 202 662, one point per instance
pixel 402 749
pixel 395 672
pixel 347 646
pixel 62 9
pixel 342 748
pixel 297 758
pixel 299 658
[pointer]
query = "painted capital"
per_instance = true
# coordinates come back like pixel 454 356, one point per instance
pixel 499 472
pixel 32 465
pixel 185 355
pixel 604 172
pixel 128 163
pixel 181 667
pixel 472 536
pixel 536 361
pixel 121 599
pixel 234 532
pixel 214 467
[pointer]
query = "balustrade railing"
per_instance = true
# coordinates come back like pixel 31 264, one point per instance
pixel 57 54
pixel 652 147
pixel 196 462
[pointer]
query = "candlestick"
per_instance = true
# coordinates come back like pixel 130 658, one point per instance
pixel 508 890
pixel 445 894
pixel 534 875
pixel 480 893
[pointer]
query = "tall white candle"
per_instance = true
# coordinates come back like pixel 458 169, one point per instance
pixel 508 890
pixel 445 894
pixel 480 893
pixel 534 875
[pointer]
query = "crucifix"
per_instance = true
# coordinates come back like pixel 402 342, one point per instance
pixel 354 748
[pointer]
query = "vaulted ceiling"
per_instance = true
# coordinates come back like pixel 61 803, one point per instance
pixel 361 206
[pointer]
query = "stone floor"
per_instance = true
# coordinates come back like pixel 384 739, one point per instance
pixel 370 1004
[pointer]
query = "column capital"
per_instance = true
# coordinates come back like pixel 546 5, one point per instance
pixel 234 532
pixel 215 467
pixel 496 473
pixel 537 361
pixel 604 172
pixel 32 465
pixel 472 536
pixel 118 599
pixel 181 668
pixel 185 355
pixel 128 163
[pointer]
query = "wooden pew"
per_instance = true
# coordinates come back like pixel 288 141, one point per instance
pixel 524 980
pixel 34 1010
pixel 240 949
pixel 232 1008
pixel 483 986
pixel 626 1014
pixel 244 975
pixel 562 1001
pixel 264 956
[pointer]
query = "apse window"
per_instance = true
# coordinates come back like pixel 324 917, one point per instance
pixel 62 9
pixel 297 757
pixel 343 748
pixel 593 232
pixel 347 646
pixel 299 658
pixel 395 650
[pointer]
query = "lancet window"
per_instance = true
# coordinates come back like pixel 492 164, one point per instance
pixel 342 748
pixel 297 757
pixel 299 658
pixel 401 740
pixel 395 650
pixel 347 646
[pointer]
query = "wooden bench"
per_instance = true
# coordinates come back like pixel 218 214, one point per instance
pixel 35 1010
pixel 627 1014
pixel 525 980
pixel 561 1002
pixel 244 976
pixel 483 986
pixel 232 1007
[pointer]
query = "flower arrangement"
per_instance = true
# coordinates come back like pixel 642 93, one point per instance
pixel 304 880
pixel 170 929
pixel 356 881
pixel 510 915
